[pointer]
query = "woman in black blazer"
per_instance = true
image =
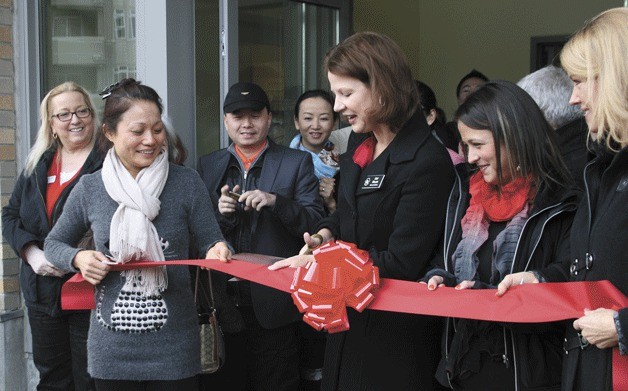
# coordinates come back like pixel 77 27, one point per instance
pixel 391 202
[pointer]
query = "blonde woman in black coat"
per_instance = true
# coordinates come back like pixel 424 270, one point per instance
pixel 595 59
pixel 63 152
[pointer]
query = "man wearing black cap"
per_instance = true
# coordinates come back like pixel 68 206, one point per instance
pixel 265 196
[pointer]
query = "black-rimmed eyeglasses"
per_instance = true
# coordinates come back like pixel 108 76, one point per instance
pixel 65 116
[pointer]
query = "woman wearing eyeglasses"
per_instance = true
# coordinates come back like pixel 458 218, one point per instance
pixel 62 153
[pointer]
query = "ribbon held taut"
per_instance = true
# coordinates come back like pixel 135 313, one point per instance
pixel 528 303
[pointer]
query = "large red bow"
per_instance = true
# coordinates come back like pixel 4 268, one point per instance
pixel 342 276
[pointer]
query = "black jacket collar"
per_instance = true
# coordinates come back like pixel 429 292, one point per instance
pixel 409 139
pixel 403 148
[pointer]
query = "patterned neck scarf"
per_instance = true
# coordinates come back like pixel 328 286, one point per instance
pixel 325 162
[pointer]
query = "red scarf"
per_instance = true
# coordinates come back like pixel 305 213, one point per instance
pixel 489 205
pixel 504 205
pixel 363 155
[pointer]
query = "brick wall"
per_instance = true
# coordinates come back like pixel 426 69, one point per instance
pixel 9 264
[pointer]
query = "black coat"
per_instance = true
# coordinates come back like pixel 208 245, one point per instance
pixel 24 221
pixel 449 135
pixel 400 224
pixel 277 231
pixel 600 229
pixel 572 141
pixel 534 350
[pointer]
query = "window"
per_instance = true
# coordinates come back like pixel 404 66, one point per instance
pixel 119 24
pixel 91 42
pixel 122 72
pixel 131 33
pixel 67 26
pixel 545 50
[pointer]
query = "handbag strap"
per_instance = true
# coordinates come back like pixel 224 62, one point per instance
pixel 197 287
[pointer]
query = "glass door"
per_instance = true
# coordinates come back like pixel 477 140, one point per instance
pixel 278 44
pixel 281 45
pixel 207 65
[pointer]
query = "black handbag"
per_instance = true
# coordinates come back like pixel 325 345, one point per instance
pixel 212 339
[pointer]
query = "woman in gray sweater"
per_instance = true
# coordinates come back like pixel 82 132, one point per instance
pixel 144 331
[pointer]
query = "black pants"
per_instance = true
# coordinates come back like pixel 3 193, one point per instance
pixel 258 358
pixel 311 357
pixel 188 384
pixel 60 350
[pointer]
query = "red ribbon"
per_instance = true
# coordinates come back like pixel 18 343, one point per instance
pixel 528 303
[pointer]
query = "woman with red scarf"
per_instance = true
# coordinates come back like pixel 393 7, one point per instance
pixel 512 212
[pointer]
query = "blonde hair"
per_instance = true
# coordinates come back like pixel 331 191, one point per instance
pixel 45 140
pixel 599 51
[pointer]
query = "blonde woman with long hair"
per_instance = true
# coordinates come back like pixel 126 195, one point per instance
pixel 63 152
pixel 595 59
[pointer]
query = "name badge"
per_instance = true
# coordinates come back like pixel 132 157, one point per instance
pixel 373 182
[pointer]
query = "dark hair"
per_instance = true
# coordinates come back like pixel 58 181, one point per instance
pixel 377 61
pixel 441 116
pixel 314 94
pixel 516 122
pixel 118 99
pixel 473 73
pixel 177 153
pixel 428 103
pixel 427 97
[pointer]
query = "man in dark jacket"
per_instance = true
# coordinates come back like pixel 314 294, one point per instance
pixel 265 196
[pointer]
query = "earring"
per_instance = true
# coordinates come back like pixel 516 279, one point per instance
pixel 381 103
pixel 54 135
pixel 518 168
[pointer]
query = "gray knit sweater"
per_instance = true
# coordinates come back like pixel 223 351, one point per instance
pixel 133 337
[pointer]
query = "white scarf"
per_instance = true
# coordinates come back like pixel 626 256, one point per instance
pixel 132 235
